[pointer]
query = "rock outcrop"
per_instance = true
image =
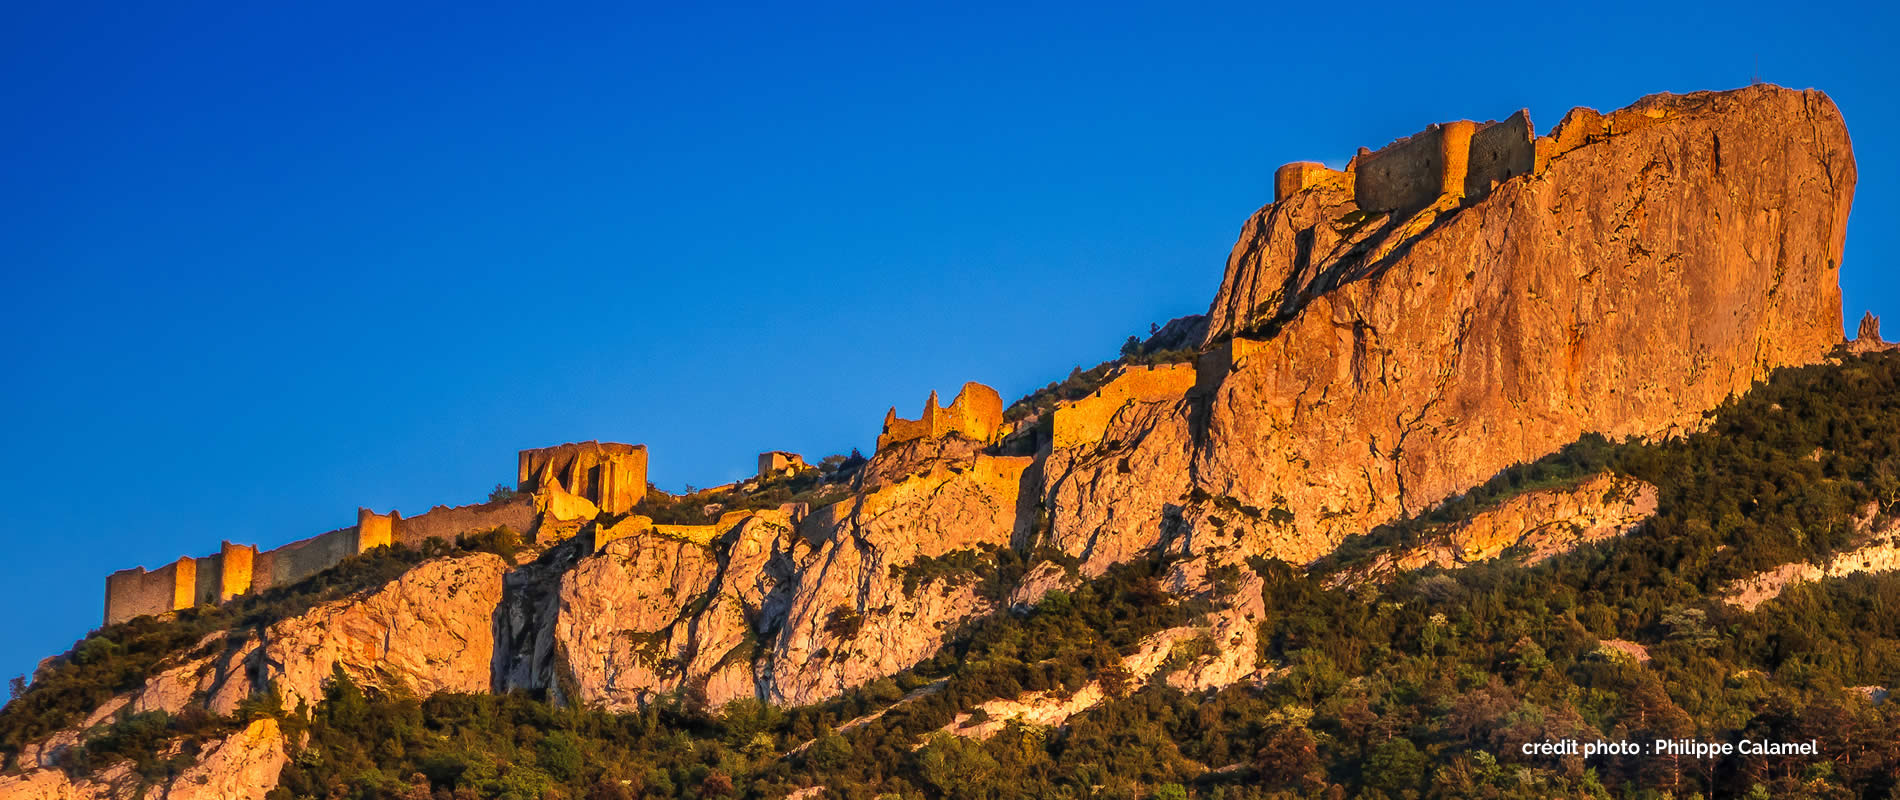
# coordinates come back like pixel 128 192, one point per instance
pixel 1879 551
pixel 1541 523
pixel 241 766
pixel 1362 367
pixel 1620 276
pixel 793 616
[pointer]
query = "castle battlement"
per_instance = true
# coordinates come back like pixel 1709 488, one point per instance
pixel 976 414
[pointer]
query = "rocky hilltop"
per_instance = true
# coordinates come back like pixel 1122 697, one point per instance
pixel 1385 337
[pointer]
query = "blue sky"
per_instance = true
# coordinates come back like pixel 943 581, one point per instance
pixel 267 264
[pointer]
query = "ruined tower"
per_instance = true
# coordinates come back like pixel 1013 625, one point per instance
pixel 611 475
pixel 975 414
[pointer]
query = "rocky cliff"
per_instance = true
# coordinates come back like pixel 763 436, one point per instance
pixel 1357 366
pixel 1363 366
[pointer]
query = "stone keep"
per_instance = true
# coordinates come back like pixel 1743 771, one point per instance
pixel 611 475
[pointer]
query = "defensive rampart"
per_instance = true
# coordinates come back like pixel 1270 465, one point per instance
pixel 1084 421
pixel 241 569
pixel 133 592
pixel 1458 159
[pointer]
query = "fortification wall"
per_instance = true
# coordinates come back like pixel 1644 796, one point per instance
pixel 135 592
pixel 1499 152
pixel 208 579
pixel 611 475
pixel 976 413
pixel 375 530
pixel 446 523
pixel 298 560
pixel 1405 175
pixel 236 563
pixel 1460 159
pixel 1299 176
pixel 627 527
pixel 898 430
pixel 822 523
pixel 1084 421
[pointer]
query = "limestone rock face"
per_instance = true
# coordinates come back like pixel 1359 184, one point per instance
pixel 1111 500
pixel 650 614
pixel 851 620
pixel 430 630
pixel 791 616
pixel 1362 367
pixel 242 766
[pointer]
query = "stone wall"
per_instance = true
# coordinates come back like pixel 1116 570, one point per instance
pixel 1500 151
pixel 614 473
pixel 975 414
pixel 301 559
pixel 446 523
pixel 1083 421
pixel 236 563
pixel 1301 175
pixel 1459 159
pixel 611 475
pixel 135 592
pixel 780 462
pixel 1410 173
pixel 181 584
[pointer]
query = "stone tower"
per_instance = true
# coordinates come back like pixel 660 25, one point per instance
pixel 611 475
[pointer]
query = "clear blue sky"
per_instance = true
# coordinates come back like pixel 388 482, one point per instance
pixel 268 263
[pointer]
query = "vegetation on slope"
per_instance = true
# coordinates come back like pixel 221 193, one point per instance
pixel 1081 383
pixel 120 658
pixel 817 486
pixel 1427 686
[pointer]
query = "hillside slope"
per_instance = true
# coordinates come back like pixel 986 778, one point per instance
pixel 1360 367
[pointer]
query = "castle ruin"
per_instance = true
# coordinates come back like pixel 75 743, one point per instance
pixel 1461 159
pixel 612 476
pixel 1084 421
pixel 560 489
pixel 780 463
pixel 606 472
pixel 975 414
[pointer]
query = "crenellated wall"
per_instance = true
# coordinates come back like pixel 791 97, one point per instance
pixel 611 475
pixel 976 414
